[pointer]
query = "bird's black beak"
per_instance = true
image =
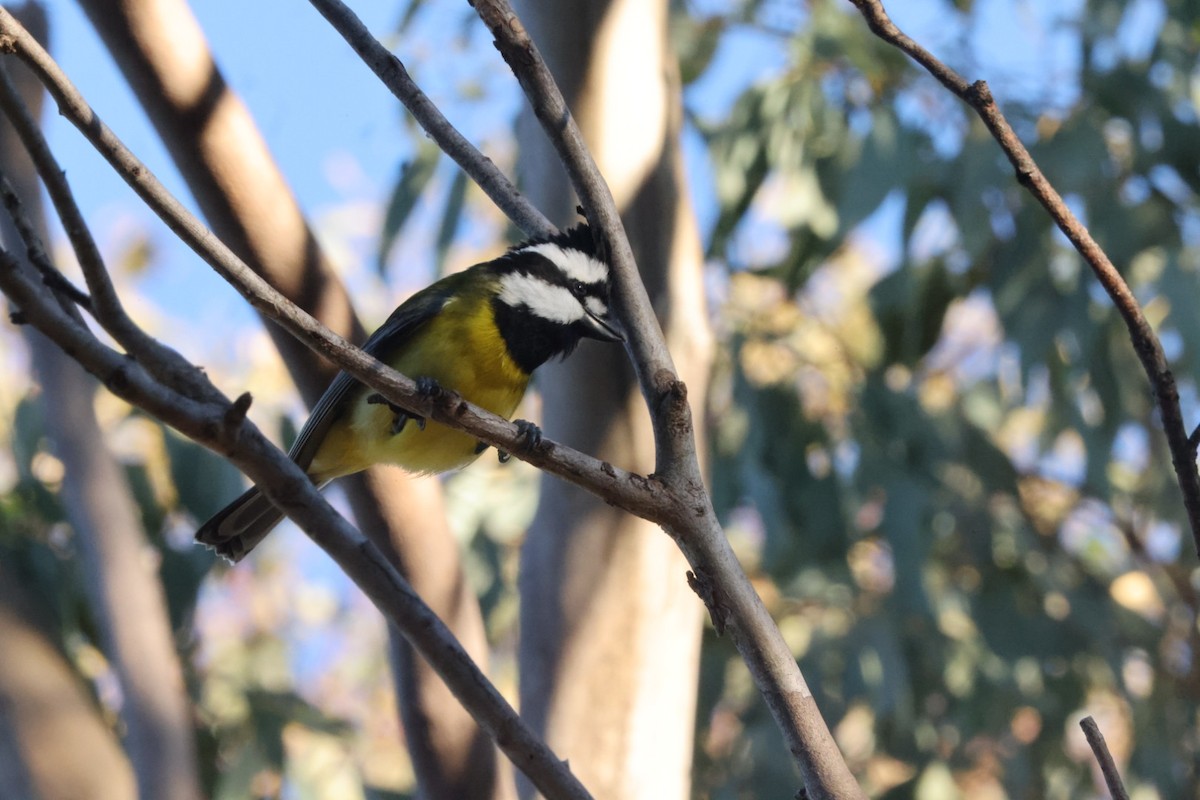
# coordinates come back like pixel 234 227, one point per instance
pixel 602 328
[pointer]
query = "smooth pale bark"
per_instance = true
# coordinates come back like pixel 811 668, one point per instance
pixel 216 145
pixel 126 597
pixel 610 630
pixel 53 743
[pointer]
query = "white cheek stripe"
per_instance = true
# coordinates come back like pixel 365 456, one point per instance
pixel 575 265
pixel 596 306
pixel 554 303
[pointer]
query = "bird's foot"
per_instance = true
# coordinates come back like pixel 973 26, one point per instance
pixel 427 387
pixel 530 436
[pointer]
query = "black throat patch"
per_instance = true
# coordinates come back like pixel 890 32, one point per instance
pixel 531 340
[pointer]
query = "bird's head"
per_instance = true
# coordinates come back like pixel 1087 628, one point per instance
pixel 553 292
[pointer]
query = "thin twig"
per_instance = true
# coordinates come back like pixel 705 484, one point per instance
pixel 1145 342
pixel 223 428
pixel 395 77
pixel 1108 767
pixel 104 304
pixel 36 250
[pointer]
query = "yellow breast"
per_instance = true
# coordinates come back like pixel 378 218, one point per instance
pixel 462 350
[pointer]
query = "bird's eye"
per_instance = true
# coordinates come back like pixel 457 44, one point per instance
pixel 578 288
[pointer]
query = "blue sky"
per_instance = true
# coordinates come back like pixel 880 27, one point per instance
pixel 337 133
pixel 333 128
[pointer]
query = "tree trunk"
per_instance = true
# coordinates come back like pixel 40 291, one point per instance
pixel 126 596
pixel 53 743
pixel 218 149
pixel 610 631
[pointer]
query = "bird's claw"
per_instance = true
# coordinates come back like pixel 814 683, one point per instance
pixel 401 416
pixel 428 387
pixel 530 436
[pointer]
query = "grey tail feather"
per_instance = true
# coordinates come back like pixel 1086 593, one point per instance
pixel 236 529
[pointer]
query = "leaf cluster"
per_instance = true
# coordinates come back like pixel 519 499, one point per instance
pixel 930 431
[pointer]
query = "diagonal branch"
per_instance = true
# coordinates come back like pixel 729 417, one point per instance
pixel 1145 343
pixel 395 77
pixel 652 360
pixel 1108 767
pixel 103 302
pixel 35 250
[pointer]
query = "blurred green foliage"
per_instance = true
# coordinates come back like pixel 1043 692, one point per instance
pixel 932 441
pixel 241 749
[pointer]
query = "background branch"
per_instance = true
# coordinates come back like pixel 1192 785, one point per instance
pixel 1145 343
pixel 53 741
pixel 390 70
pixel 127 600
pixel 1095 740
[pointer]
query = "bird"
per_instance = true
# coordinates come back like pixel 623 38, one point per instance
pixel 480 333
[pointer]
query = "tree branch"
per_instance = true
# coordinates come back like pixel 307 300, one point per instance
pixel 1145 343
pixel 656 371
pixel 103 302
pixel 1108 767
pixel 35 251
pixel 395 77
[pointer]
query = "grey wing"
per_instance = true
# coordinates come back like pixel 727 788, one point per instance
pixel 415 312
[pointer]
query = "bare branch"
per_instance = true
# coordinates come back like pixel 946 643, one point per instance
pixel 1145 343
pixel 391 71
pixel 36 250
pixel 103 304
pixel 1108 767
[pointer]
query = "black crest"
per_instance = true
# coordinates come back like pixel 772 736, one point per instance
pixel 577 237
